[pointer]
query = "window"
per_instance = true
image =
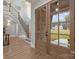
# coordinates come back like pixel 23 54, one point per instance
pixel 60 31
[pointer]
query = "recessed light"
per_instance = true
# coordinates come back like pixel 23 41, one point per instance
pixel 57 3
pixel 57 9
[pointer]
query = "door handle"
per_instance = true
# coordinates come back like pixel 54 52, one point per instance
pixel 46 33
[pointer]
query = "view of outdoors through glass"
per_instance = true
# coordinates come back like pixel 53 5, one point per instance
pixel 62 37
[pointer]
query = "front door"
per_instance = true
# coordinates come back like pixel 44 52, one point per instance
pixel 41 28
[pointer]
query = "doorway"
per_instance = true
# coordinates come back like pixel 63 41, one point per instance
pixel 53 29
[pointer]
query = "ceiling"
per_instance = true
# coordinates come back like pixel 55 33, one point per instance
pixel 62 5
pixel 32 1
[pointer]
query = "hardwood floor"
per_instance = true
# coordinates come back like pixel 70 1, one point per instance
pixel 18 49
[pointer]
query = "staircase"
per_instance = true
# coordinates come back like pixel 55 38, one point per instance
pixel 25 27
pixel 16 14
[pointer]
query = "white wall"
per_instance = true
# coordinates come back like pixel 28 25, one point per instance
pixel 11 30
pixel 15 30
pixel 32 25
pixel 25 12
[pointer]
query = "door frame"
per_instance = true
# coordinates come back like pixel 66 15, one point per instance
pixel 72 27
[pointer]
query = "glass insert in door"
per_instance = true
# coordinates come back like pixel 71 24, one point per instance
pixel 60 21
pixel 54 29
pixel 60 36
pixel 64 30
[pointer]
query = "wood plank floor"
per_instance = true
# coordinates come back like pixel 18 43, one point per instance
pixel 18 49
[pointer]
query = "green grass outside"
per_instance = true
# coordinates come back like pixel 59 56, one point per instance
pixel 64 34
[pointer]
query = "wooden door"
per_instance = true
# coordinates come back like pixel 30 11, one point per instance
pixel 41 28
pixel 62 29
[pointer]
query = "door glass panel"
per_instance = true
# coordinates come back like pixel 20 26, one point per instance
pixel 64 21
pixel 64 31
pixel 54 29
pixel 60 31
pixel 54 23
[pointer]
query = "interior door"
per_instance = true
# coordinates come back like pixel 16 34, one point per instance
pixel 41 28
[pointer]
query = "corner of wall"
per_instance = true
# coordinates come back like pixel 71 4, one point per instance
pixel 32 45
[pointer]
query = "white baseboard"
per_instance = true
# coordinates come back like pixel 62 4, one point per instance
pixel 32 45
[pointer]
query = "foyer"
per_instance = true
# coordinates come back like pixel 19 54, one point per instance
pixel 38 29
